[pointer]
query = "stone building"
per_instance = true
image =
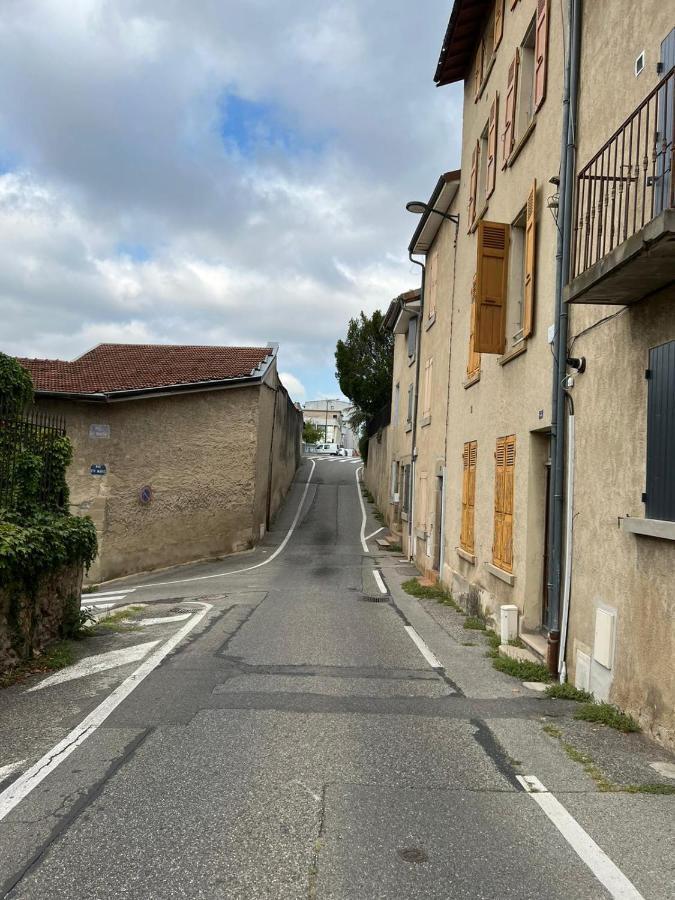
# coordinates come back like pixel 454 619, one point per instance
pixel 180 452
pixel 331 417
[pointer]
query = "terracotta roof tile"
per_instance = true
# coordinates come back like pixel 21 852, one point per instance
pixel 135 367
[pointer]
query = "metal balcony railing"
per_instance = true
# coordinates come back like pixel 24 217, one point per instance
pixel 629 181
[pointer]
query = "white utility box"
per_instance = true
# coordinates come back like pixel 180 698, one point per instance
pixel 509 623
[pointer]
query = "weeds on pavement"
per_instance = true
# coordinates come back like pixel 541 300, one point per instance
pixel 522 669
pixel 475 623
pixel 429 592
pixel 56 656
pixel 606 714
pixel 567 691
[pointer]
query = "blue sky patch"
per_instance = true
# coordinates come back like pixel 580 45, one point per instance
pixel 253 127
pixel 135 252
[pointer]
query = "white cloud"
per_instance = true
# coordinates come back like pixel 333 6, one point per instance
pixel 111 120
pixel 293 385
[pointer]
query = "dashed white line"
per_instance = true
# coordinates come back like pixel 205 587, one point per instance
pixel 31 778
pixel 363 512
pixel 433 661
pixel 581 842
pixel 380 583
pixel 373 533
pixel 99 663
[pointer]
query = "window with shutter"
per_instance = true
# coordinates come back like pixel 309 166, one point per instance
pixel 473 362
pixel 473 184
pixel 469 458
pixel 505 461
pixel 422 502
pixel 508 134
pixel 428 377
pixel 491 284
pixel 499 22
pixel 540 53
pixel 412 337
pixel 660 488
pixel 409 414
pixel 478 70
pixel 432 282
pixel 492 148
pixel 530 250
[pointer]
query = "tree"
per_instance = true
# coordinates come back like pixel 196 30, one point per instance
pixel 310 433
pixel 364 364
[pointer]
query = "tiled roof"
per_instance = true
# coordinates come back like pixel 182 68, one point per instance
pixel 109 368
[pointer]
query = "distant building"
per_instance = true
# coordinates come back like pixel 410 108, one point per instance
pixel 331 417
pixel 180 452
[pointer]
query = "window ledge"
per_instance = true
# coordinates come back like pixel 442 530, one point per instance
pixel 521 143
pixel 471 380
pixel 408 427
pixel 430 321
pixel 411 360
pixel 421 534
pixel 486 78
pixel 426 420
pixel 478 217
pixel 504 576
pixel 657 528
pixel 465 555
pixel 404 516
pixel 513 353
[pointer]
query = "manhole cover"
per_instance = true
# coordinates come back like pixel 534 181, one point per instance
pixel 380 598
pixel 413 855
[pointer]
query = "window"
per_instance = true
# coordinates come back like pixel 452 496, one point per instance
pixel 520 299
pixel 659 498
pixel 469 458
pixel 422 504
pixel 502 545
pixel 394 482
pixel 395 404
pixel 405 500
pixel 409 414
pixel 524 111
pixel 481 198
pixel 491 286
pixel 412 338
pixel 473 362
pixel 491 149
pixel 484 54
pixel 432 286
pixel 428 379
pixel 499 23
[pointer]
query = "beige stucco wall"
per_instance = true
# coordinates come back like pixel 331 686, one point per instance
pixel 626 574
pixel 511 397
pixel 376 472
pixel 199 454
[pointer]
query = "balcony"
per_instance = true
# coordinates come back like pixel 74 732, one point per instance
pixel 623 243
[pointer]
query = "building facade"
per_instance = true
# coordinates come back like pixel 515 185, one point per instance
pixel 180 453
pixel 331 418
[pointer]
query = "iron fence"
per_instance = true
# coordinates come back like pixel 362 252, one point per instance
pixel 629 181
pixel 28 438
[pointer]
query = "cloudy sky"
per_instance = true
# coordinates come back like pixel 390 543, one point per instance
pixel 214 171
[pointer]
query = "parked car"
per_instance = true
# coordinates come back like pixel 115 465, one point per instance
pixel 331 449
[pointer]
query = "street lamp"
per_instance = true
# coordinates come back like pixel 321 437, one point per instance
pixel 418 207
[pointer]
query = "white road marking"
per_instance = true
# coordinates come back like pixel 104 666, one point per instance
pixel 180 617
pixel 121 591
pixel 607 873
pixel 363 512
pixel 12 767
pixel 99 663
pixel 90 601
pixel 373 533
pixel 269 559
pixel 98 605
pixel 24 784
pixel 380 583
pixel 433 661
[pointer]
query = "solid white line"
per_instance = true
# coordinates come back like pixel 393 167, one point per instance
pixel 99 663
pixel 269 559
pixel 180 617
pixel 363 512
pixel 581 842
pixel 24 784
pixel 109 593
pixel 373 533
pixel 380 583
pixel 433 661
pixel 12 767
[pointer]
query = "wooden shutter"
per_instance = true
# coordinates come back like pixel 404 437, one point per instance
pixel 499 23
pixel 478 70
pixel 469 457
pixel 530 250
pixel 505 460
pixel 473 362
pixel 428 375
pixel 473 184
pixel 492 148
pixel 508 135
pixel 491 284
pixel 540 50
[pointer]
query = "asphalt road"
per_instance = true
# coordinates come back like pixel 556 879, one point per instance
pixel 301 740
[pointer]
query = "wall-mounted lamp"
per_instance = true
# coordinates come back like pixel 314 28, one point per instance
pixel 418 208
pixel 578 363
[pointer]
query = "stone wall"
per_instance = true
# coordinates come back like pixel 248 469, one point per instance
pixel 29 621
pixel 377 473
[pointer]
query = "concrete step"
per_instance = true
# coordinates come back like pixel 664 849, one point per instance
pixel 536 643
pixel 519 653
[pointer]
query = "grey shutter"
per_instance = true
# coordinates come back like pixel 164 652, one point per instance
pixel 412 336
pixel 660 496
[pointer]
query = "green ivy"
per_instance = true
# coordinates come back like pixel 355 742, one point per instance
pixel 16 385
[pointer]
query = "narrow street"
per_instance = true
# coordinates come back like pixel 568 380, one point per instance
pixel 296 732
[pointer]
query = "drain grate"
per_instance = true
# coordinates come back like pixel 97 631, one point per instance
pixel 370 598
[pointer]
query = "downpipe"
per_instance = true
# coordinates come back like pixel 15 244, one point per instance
pixel 413 450
pixel 569 537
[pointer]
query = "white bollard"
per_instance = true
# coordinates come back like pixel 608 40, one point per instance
pixel 509 623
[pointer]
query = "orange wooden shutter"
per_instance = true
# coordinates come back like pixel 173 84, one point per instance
pixel 492 147
pixel 530 248
pixel 473 362
pixel 473 183
pixel 508 135
pixel 540 48
pixel 505 460
pixel 468 495
pixel 499 22
pixel 500 456
pixel 478 71
pixel 491 282
pixel 463 536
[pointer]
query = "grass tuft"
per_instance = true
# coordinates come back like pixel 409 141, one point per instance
pixel 429 592
pixel 606 714
pixel 475 623
pixel 522 669
pixel 568 691
pixel 668 789
pixel 56 656
pixel 552 731
pixel 115 621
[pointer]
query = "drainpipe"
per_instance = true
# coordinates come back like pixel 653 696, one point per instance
pixel 569 523
pixel 413 455
pixel 564 242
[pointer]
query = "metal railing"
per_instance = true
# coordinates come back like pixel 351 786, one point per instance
pixel 629 181
pixel 22 437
